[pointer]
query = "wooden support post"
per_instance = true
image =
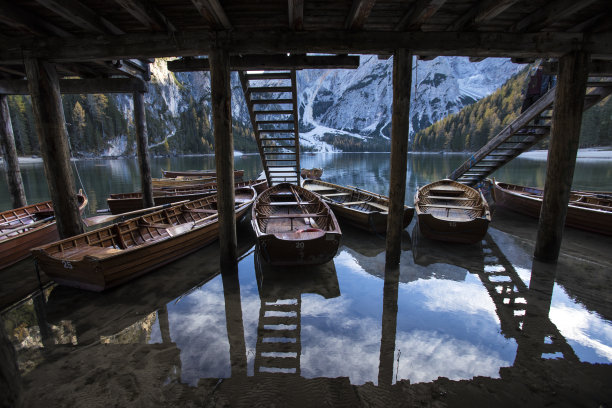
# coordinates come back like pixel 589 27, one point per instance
pixel 224 153
pixel 9 151
pixel 389 327
pixel 10 378
pixel 402 78
pixel 142 143
pixel 564 137
pixel 53 141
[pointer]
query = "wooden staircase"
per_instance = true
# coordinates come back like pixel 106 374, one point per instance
pixel 278 346
pixel 525 131
pixel 272 101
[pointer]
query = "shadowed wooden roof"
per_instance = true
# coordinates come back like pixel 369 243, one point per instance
pixel 98 38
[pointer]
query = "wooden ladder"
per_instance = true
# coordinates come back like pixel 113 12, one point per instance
pixel 272 101
pixel 525 131
pixel 278 346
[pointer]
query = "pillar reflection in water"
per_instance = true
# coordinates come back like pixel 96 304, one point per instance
pixel 233 320
pixel 389 326
pixel 10 379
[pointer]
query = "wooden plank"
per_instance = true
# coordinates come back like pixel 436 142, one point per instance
pixel 419 14
pixel 296 14
pixel 212 9
pixel 493 9
pixel 151 45
pixel 79 86
pixel 359 13
pixel 53 140
pixel 20 19
pixel 147 14
pixel 224 154
pixel 269 62
pixel 565 133
pixel 82 16
pixel 550 13
pixel 9 152
pixel 402 80
pixel 142 144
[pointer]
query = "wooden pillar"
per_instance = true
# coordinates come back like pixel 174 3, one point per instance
pixel 10 378
pixel 564 137
pixel 53 139
pixel 142 143
pixel 224 153
pixel 7 142
pixel 389 327
pixel 402 78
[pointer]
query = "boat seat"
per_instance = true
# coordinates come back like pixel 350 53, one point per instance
pixel 336 194
pixel 160 226
pixel 202 210
pixel 282 203
pixel 379 206
pixel 93 251
pixel 278 216
pixel 452 207
pixel 354 203
pixel 311 187
pixel 437 197
pixel 448 190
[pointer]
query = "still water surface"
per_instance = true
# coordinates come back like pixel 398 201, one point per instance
pixel 480 313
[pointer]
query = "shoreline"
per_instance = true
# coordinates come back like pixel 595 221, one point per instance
pixel 591 153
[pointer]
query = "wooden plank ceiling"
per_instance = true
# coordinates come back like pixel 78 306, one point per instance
pixel 109 38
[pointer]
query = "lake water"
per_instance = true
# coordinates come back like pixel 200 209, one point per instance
pixel 454 325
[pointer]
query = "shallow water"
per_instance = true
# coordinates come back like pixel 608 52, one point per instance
pixel 454 325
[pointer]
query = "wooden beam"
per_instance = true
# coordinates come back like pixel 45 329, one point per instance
pixel 562 151
pixel 20 19
pixel 596 68
pixel 53 141
pixel 9 151
pixel 477 59
pixel 551 13
pixel 147 14
pixel 150 45
pixel 79 86
pixel 211 9
pixel 419 14
pixel 493 9
pixel 296 14
pixel 82 16
pixel 400 125
pixel 142 143
pixel 259 62
pixel 224 154
pixel 360 11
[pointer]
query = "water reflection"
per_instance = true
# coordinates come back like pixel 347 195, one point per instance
pixel 345 332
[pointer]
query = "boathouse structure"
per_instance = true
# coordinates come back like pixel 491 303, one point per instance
pixel 87 46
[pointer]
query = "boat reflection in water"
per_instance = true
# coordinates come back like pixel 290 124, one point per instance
pixel 441 329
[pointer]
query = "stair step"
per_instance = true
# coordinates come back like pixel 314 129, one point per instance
pixel 276 131
pixel 259 122
pixel 270 101
pixel 273 112
pixel 284 347
pixel 280 160
pixel 276 320
pixel 268 75
pixel 265 139
pixel 268 89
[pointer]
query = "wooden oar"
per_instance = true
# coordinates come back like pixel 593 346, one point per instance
pixel 99 219
pixel 34 224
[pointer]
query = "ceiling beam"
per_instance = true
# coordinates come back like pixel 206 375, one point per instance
pixel 147 14
pixel 553 12
pixel 420 12
pixel 596 68
pixel 267 62
pixel 360 11
pixel 81 16
pixel 296 14
pixel 15 17
pixel 212 9
pixel 151 45
pixel 79 86
pixel 492 9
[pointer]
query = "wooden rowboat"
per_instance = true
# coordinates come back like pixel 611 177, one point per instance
pixel 124 202
pixel 361 208
pixel 109 256
pixel 16 239
pixel 590 211
pixel 451 211
pixel 238 174
pixel 312 174
pixel 181 181
pixel 294 227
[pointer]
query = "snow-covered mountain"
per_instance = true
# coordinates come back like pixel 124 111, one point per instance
pixel 345 103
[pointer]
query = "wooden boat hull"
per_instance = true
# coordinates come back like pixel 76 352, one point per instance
pixel 104 267
pixel 238 174
pixel 364 216
pixel 285 236
pixel 452 212
pixel 15 248
pixel 515 198
pixel 180 182
pixel 122 203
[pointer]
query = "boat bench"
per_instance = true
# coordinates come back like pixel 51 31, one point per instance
pixel 355 203
pixel 279 216
pixel 379 206
pixel 201 210
pixel 336 194
pixel 283 203
pixel 452 207
pixel 161 226
pixel 437 197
